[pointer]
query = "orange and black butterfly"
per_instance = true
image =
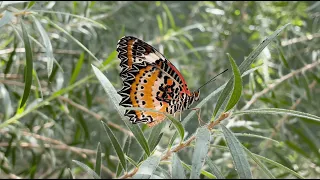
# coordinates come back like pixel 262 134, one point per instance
pixel 150 81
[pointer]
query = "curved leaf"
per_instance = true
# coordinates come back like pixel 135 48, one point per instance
pixel 29 66
pixel 177 168
pixel 279 111
pixel 87 169
pixel 200 151
pixel 147 168
pixel 237 85
pixel 116 146
pixel 214 169
pixel 238 155
pixel 47 44
pixel 98 160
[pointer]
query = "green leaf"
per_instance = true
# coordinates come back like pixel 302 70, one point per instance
pixel 29 66
pixel 111 57
pixel 238 155
pixel 77 69
pixel 200 151
pixel 47 44
pixel 215 170
pixel 147 168
pixel 70 174
pixel 245 65
pixel 153 139
pixel 279 111
pixel 178 126
pixel 177 168
pixel 116 146
pixel 87 169
pixel 203 172
pixel 115 98
pixel 237 85
pixel 7 17
pixel 259 163
pixel 30 4
pixel 98 160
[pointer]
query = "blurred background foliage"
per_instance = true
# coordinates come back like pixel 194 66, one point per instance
pixel 195 37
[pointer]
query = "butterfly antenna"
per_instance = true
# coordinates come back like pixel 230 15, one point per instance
pixel 212 79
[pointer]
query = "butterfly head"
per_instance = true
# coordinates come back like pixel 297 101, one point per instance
pixel 196 95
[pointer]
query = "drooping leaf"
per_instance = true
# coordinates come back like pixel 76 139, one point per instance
pixel 238 155
pixel 200 151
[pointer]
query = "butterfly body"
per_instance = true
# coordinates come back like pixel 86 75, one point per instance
pixel 150 81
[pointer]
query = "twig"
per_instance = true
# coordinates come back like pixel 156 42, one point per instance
pixel 256 96
pixel 211 125
pixel 300 39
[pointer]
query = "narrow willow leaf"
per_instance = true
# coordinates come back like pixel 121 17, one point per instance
pixel 111 57
pixel 119 170
pixel 47 44
pixel 7 18
pixel 87 169
pixel 279 111
pixel 177 168
pixel 98 160
pixel 10 61
pixel 203 172
pixel 259 163
pixel 115 98
pixel 172 139
pixel 77 69
pixel 147 167
pixel 74 15
pixel 237 85
pixel 245 65
pixel 178 126
pixel 116 146
pixel 282 57
pixel 29 66
pixel 153 139
pixel 238 155
pixel 6 101
pixel 30 4
pixel 70 174
pixel 214 169
pixel 74 39
pixel 200 151
pixel 280 166
pixel 171 19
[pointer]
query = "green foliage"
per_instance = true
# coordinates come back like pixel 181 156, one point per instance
pixel 59 77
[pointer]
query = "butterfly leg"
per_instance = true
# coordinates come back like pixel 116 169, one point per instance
pixel 198 111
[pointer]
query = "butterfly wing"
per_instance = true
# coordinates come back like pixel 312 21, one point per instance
pixel 149 81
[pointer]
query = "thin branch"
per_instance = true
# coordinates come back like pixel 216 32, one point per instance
pixel 300 39
pixel 277 82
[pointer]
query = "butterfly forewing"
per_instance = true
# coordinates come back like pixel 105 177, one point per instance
pixel 149 81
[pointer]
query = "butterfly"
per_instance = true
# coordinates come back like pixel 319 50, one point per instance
pixel 150 81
